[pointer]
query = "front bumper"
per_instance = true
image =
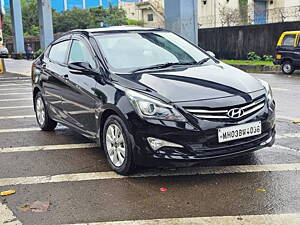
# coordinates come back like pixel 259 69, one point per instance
pixel 199 143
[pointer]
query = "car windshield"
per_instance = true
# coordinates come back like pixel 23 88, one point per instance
pixel 127 52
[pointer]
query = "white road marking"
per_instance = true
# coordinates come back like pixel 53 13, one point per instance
pixel 17 107
pixel 7 217
pixel 279 89
pixel 288 135
pixel 267 219
pixel 8 85
pixel 24 93
pixel 14 81
pixel 16 117
pixel 286 118
pixel 19 130
pixel 13 89
pixel 47 147
pixel 157 173
pixel 285 148
pixel 15 99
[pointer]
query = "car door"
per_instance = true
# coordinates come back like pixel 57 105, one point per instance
pixel 54 66
pixel 78 100
pixel 287 48
pixel 297 52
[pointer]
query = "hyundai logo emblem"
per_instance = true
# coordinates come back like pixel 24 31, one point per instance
pixel 235 113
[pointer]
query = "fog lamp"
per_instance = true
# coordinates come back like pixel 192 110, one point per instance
pixel 158 143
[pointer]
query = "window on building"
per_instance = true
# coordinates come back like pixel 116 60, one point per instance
pixel 150 17
pixel 58 52
pixel 289 40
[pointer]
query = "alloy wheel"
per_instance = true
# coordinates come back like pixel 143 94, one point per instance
pixel 287 68
pixel 40 111
pixel 115 145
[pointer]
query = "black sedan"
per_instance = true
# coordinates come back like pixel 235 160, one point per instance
pixel 150 98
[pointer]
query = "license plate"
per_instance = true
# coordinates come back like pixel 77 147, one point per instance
pixel 239 131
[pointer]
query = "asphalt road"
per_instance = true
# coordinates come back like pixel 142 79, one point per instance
pixel 68 171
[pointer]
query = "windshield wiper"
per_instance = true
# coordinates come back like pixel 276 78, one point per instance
pixel 161 66
pixel 202 61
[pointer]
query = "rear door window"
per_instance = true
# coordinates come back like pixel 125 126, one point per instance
pixel 289 40
pixel 58 52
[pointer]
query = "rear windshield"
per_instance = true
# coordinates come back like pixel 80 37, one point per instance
pixel 129 51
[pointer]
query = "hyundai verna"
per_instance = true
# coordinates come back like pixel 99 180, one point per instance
pixel 151 98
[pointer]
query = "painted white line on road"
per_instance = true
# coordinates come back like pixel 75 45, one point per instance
pixel 15 78
pixel 15 99
pixel 28 129
pixel 14 89
pixel 285 148
pixel 267 219
pixel 19 130
pixel 8 85
pixel 47 147
pixel 279 89
pixel 17 107
pixel 288 135
pixel 158 173
pixel 16 117
pixel 24 93
pixel 286 118
pixel 7 217
pixel 14 81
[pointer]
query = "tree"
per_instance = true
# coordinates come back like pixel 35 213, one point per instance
pixel 229 16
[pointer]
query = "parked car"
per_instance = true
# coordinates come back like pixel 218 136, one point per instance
pixel 150 98
pixel 288 52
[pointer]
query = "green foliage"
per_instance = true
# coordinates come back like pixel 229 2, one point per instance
pixel 37 53
pixel 267 58
pixel 135 22
pixel 66 20
pixel 253 56
pixel 243 2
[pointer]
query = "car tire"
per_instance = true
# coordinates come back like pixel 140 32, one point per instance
pixel 287 67
pixel 117 146
pixel 43 119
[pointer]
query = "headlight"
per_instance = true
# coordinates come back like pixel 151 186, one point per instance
pixel 151 108
pixel 268 89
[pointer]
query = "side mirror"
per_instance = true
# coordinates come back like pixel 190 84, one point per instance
pixel 211 54
pixel 80 68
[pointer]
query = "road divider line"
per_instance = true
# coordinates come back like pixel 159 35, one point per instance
pixel 17 107
pixel 47 147
pixel 15 99
pixel 288 135
pixel 16 117
pixel 285 118
pixel 7 216
pixel 267 219
pixel 157 173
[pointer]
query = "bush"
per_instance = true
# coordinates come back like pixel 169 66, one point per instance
pixel 135 22
pixel 268 58
pixel 253 56
pixel 37 53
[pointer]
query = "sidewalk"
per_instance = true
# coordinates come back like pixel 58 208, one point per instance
pixel 18 66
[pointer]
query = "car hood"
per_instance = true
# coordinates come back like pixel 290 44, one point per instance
pixel 195 83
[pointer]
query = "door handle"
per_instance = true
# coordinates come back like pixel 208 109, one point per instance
pixel 44 66
pixel 66 76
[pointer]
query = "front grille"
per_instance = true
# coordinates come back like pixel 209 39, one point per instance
pixel 222 113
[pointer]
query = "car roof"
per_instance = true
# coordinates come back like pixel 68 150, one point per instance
pixel 119 28
pixel 291 32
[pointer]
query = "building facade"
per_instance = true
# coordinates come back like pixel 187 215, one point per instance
pixel 151 12
pixel 217 13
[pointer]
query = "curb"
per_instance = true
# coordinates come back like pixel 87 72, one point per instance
pixel 257 68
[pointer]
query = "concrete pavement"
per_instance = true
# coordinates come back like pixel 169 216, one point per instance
pixel 67 170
